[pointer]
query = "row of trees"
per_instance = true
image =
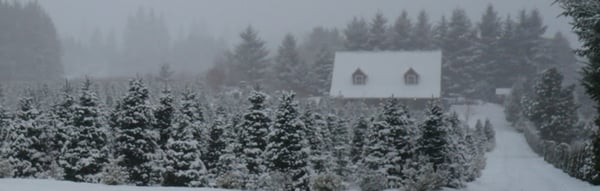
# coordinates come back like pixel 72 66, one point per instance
pixel 477 57
pixel 547 113
pixel 180 142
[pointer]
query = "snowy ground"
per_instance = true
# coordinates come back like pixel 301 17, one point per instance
pixel 513 165
pixel 53 185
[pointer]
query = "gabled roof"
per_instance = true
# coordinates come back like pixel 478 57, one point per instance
pixel 386 71
pixel 411 71
pixel 358 72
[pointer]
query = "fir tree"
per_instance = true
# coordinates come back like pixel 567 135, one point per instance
pixel 422 34
pixel 400 140
pixel 85 153
pixel 323 71
pixel 378 33
pixel 249 59
pixel 585 26
pixel 254 131
pixel 318 138
pixel 286 152
pixel 217 143
pixel 552 108
pixel 357 35
pixel 359 139
pixel 135 138
pixel 58 122
pixel 26 151
pixel 340 137
pixel 164 116
pixel 289 65
pixel 401 34
pixel 183 164
pixel 433 140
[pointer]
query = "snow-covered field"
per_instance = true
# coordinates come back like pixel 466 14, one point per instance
pixel 513 166
pixel 53 185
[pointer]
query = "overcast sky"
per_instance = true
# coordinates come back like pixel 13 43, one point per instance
pixel 273 18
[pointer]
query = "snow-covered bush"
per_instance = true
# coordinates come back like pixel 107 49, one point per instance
pixel 114 174
pixel 5 168
pixel 230 180
pixel 423 178
pixel 372 181
pixel 326 182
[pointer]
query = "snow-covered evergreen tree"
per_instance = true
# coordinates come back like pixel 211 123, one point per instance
pixel 433 140
pixel 490 135
pixel 318 138
pixel 400 140
pixel 249 59
pixel 183 163
pixel 164 115
pixel 378 33
pixel 323 71
pixel 357 35
pixel 254 133
pixel 27 148
pixel 359 139
pixel 287 151
pixel 552 108
pixel 135 137
pixel 217 143
pixel 85 153
pixel 340 149
pixel 422 34
pixel 290 69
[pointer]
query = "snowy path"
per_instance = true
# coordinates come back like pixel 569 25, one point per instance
pixel 513 166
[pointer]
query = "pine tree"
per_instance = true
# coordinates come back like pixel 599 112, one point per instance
pixel 231 169
pixel 254 131
pixel 456 152
pixel 433 140
pixel 318 138
pixel 26 151
pixel 585 26
pixel 323 71
pixel 286 152
pixel 400 139
pixel 401 34
pixel 183 164
pixel 357 35
pixel 378 33
pixel 340 137
pixel 422 35
pixel 249 59
pixel 440 33
pixel 58 122
pixel 552 108
pixel 490 135
pixel 135 138
pixel 217 143
pixel 289 65
pixel 85 153
pixel 164 114
pixel 359 139
pixel 191 108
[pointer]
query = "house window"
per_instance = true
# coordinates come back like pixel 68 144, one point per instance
pixel 359 77
pixel 412 80
pixel 411 77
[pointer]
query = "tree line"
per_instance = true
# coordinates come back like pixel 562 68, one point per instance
pixel 183 142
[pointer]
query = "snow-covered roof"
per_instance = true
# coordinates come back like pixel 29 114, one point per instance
pixel 385 74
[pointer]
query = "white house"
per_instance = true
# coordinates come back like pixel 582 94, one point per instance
pixel 407 75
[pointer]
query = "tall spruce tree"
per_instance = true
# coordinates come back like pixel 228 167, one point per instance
pixel 422 34
pixel 26 151
pixel 340 137
pixel 254 131
pixel 286 152
pixel 249 59
pixel 323 71
pixel 378 33
pixel 433 140
pixel 86 153
pixel 318 138
pixel 359 139
pixel 289 68
pixel 164 115
pixel 400 140
pixel 135 137
pixel 401 34
pixel 585 26
pixel 217 143
pixel 357 35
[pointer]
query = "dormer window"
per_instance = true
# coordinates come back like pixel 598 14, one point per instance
pixel 359 77
pixel 411 77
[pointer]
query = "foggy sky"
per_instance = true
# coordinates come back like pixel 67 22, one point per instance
pixel 273 18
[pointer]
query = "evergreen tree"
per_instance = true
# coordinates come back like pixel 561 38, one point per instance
pixel 585 26
pixel 440 33
pixel 323 71
pixel 26 151
pixel 194 115
pixel 401 34
pixel 359 139
pixel 135 138
pixel 378 33
pixel 249 59
pixel 562 57
pixel 400 139
pixel 490 27
pixel 340 137
pixel 85 153
pixel 254 131
pixel 286 152
pixel 183 164
pixel 552 108
pixel 217 143
pixel 422 35
pixel 490 135
pixel 357 35
pixel 289 66
pixel 164 114
pixel 318 138
pixel 57 123
pixel 433 140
